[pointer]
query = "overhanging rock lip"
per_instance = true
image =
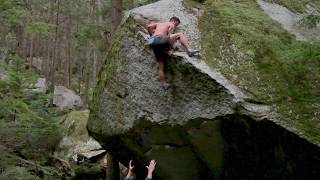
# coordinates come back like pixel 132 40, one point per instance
pixel 261 112
pixel 245 104
pixel 215 75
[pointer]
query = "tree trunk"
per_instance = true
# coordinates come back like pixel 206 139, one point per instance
pixel 20 34
pixel 87 75
pixel 131 4
pixel 2 31
pixel 94 67
pixel 31 50
pixel 104 34
pixel 113 170
pixel 99 8
pixel 116 15
pixel 67 62
pixel 53 63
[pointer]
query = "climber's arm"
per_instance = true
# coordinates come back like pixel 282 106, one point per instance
pixel 130 168
pixel 151 168
pixel 171 30
pixel 151 28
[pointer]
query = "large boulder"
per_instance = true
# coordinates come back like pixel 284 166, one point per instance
pixel 41 85
pixel 77 144
pixel 66 99
pixel 36 62
pixel 3 74
pixel 204 127
pixel 3 56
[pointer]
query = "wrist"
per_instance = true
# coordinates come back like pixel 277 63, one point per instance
pixel 129 174
pixel 149 175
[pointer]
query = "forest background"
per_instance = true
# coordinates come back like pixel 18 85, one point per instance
pixel 63 41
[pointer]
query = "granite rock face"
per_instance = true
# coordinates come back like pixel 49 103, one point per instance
pixel 66 99
pixel 204 127
pixel 41 85
pixel 76 141
pixel 36 62
pixel 3 75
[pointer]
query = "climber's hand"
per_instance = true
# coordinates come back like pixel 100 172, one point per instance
pixel 130 166
pixel 151 168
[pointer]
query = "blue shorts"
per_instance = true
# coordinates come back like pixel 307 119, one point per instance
pixel 158 40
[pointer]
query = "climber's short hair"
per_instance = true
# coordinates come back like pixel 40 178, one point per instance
pixel 175 19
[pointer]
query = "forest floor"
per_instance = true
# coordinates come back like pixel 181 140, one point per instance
pixel 28 124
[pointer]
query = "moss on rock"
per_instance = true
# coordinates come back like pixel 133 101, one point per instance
pixel 259 56
pixel 107 77
pixel 75 124
pixel 209 144
pixel 298 5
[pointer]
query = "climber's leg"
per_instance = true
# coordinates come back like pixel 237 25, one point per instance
pixel 184 42
pixel 182 39
pixel 160 56
pixel 162 71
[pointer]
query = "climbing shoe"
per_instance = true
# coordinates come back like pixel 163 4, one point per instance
pixel 193 53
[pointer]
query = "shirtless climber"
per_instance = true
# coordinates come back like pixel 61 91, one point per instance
pixel 162 38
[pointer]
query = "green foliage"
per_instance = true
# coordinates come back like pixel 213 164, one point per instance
pixel 310 21
pixel 17 173
pixel 86 34
pixel 144 2
pixel 27 123
pixel 298 5
pixel 14 167
pixel 39 28
pixel 258 55
pixel 11 11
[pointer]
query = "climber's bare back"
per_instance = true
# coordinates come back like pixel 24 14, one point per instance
pixel 163 29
